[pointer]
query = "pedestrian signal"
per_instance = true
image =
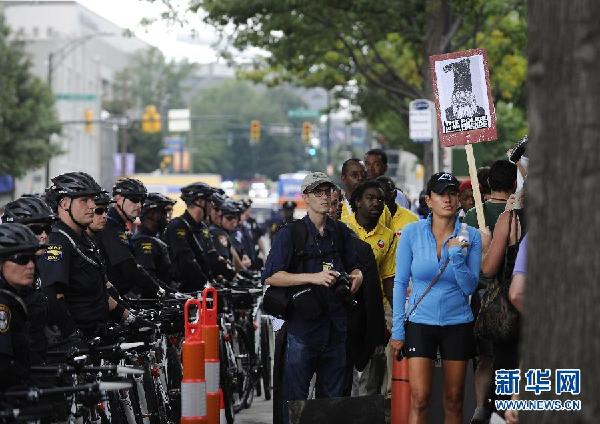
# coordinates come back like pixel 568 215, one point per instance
pixel 306 132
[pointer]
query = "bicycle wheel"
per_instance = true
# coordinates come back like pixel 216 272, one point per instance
pixel 227 381
pixel 265 359
pixel 247 361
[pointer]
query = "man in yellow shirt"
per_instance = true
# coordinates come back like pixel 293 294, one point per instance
pixel 354 173
pixel 367 202
pixel 400 216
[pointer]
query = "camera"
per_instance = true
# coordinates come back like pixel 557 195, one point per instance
pixel 342 288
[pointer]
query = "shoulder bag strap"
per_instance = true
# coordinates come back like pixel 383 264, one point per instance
pixel 433 281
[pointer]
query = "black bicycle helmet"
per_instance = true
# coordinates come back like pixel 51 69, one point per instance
pixel 195 191
pixel 73 184
pixel 26 210
pixel 247 203
pixel 103 199
pixel 129 187
pixel 217 199
pixel 17 238
pixel 156 201
pixel 229 207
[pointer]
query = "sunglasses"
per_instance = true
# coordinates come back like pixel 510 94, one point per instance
pixel 229 217
pixel 38 229
pixel 22 258
pixel 100 211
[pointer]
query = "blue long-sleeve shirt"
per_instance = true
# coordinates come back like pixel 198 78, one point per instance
pixel 447 303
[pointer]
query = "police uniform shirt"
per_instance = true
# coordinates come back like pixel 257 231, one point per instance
pixel 37 313
pixel 77 274
pixel 152 254
pixel 114 242
pixel 236 237
pixel 331 327
pixel 14 338
pixel 185 237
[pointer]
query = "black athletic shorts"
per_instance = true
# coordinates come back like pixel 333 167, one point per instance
pixel 455 342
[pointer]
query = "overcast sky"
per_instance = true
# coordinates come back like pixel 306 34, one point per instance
pixel 175 41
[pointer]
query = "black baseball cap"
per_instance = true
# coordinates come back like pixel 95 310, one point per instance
pixel 442 181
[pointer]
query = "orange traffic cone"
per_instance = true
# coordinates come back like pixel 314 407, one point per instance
pixel 400 390
pixel 193 383
pixel 222 417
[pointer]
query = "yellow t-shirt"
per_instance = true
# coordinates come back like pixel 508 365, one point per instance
pixel 385 219
pixel 402 217
pixel 383 242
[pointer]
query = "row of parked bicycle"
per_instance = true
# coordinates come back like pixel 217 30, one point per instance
pixel 133 375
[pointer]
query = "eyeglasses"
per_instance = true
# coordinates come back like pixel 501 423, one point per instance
pixel 22 258
pixel 136 199
pixel 38 229
pixel 100 211
pixel 324 192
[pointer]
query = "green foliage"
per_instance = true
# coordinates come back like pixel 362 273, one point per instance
pixel 220 144
pixel 27 116
pixel 380 48
pixel 149 79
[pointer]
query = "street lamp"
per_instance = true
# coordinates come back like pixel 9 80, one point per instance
pixel 55 58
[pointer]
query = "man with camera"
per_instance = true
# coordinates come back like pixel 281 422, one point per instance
pixel 317 315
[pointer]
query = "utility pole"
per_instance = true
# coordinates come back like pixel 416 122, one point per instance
pixel 328 129
pixel 124 130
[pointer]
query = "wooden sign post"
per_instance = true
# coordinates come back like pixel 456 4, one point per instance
pixel 464 106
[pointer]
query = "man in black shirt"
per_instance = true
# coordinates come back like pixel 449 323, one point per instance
pixel 149 250
pixel 71 271
pixel 123 271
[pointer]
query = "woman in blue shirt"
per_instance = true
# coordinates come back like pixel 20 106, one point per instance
pixel 442 318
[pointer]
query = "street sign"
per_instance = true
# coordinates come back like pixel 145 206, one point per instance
pixel 303 113
pixel 179 120
pixel 75 96
pixel 420 121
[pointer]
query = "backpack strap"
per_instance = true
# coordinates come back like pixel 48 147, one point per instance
pixel 299 238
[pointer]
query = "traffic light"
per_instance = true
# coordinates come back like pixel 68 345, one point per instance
pixel 151 120
pixel 306 132
pixel 254 131
pixel 312 151
pixel 88 116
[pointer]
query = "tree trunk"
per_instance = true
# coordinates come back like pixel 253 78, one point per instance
pixel 561 326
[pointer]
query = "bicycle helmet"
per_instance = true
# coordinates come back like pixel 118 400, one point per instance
pixel 73 184
pixel 17 238
pixel 129 187
pixel 217 199
pixel 156 201
pixel 229 207
pixel 27 210
pixel 103 199
pixel 195 191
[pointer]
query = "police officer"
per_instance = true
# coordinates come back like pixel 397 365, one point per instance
pixel 250 234
pixel 18 246
pixel 149 250
pixel 123 271
pixel 223 236
pixel 71 271
pixel 34 213
pixel 184 236
pixel 286 216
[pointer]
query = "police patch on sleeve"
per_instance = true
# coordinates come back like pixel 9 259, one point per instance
pixel 180 232
pixel 4 318
pixel 123 237
pixel 147 248
pixel 54 253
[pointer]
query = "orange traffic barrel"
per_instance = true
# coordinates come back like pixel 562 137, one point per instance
pixel 193 383
pixel 210 334
pixel 400 390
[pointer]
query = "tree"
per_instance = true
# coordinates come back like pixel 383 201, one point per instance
pixel 562 314
pixel 378 50
pixel 220 142
pixel 149 79
pixel 27 115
